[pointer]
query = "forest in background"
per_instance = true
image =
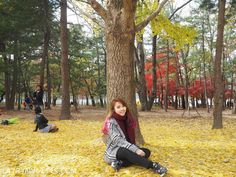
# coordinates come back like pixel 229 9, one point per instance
pixel 161 62
pixel 173 65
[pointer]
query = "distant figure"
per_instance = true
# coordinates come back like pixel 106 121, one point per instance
pixel 42 123
pixel 119 137
pixel 38 97
pixel 28 103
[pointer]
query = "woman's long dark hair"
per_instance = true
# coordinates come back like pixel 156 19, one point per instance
pixel 131 120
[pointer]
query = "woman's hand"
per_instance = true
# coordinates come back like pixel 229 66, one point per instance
pixel 140 152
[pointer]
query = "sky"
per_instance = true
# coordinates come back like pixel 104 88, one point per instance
pixel 72 17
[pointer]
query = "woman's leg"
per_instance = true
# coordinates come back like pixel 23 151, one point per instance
pixel 129 157
pixel 53 128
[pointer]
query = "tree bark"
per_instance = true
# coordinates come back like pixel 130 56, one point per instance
pixel 120 57
pixel 14 80
pixel 65 109
pixel 99 85
pixel 167 77
pixel 204 67
pixel 185 103
pixel 47 34
pixel 218 86
pixel 119 18
pixel 141 83
pixel 154 74
pixel 234 104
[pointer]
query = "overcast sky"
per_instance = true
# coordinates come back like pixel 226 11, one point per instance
pixel 72 18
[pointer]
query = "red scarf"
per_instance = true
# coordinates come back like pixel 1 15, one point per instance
pixel 127 125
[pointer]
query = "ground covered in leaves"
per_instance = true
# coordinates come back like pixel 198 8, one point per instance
pixel 187 146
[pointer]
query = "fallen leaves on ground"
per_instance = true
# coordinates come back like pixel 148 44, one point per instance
pixel 187 147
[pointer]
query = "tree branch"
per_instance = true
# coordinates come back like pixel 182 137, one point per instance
pixel 144 23
pixel 82 13
pixel 179 9
pixel 98 8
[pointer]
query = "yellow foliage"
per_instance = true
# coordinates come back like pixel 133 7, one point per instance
pixel 181 34
pixel 187 147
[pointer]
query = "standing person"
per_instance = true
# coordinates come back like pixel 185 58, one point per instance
pixel 42 123
pixel 121 150
pixel 38 96
pixel 28 102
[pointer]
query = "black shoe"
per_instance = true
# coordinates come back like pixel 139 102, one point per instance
pixel 159 169
pixel 116 165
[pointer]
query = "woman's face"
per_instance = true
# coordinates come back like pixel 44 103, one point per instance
pixel 120 108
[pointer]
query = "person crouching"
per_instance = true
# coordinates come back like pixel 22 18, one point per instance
pixel 42 123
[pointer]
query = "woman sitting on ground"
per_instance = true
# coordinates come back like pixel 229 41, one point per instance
pixel 119 136
pixel 42 123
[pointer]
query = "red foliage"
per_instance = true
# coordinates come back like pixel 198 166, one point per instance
pixel 196 88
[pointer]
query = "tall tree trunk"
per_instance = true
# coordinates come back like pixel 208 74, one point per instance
pixel 14 80
pixel 87 100
pixel 120 58
pixel 178 70
pixel 185 103
pixel 182 82
pixel 65 107
pixel 211 47
pixel 99 85
pixel 7 84
pixel 204 66
pixel 154 73
pixel 47 33
pixel 119 18
pixel 49 87
pixel 234 103
pixel 75 101
pixel 19 101
pixel 223 77
pixel 141 83
pixel 218 87
pixel 6 74
pixel 232 91
pixel 167 77
pixel 90 92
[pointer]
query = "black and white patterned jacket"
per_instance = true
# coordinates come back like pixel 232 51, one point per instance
pixel 115 139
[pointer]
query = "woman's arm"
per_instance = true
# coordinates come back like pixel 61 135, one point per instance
pixel 44 119
pixel 118 140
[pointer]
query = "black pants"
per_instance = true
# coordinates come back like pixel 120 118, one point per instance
pixel 128 157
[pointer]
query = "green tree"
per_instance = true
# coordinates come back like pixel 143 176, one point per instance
pixel 65 109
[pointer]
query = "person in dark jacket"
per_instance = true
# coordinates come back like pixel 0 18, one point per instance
pixel 38 96
pixel 121 150
pixel 42 123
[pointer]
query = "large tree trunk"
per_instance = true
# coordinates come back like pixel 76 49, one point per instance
pixel 120 57
pixel 218 86
pixel 119 18
pixel 65 107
